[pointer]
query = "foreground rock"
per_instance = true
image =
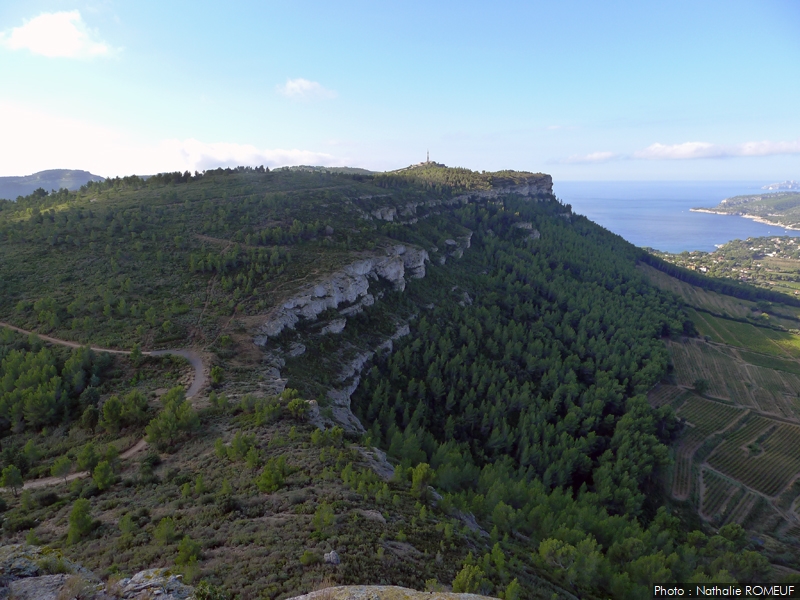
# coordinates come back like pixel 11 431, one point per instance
pixel 383 592
pixel 34 573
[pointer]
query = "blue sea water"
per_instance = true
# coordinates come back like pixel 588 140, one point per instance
pixel 656 214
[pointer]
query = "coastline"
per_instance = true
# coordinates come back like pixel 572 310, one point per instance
pixel 755 218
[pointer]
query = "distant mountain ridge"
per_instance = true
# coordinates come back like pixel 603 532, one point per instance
pixel 51 179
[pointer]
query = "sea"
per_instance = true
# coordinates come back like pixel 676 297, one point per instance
pixel 656 214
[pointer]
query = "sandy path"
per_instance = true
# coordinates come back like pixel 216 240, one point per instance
pixel 198 381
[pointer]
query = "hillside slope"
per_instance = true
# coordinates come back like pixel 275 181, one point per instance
pixel 495 346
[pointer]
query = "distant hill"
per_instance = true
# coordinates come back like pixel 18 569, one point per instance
pixel 52 179
pixel 777 208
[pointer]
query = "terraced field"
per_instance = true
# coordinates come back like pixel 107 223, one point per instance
pixel 664 394
pixel 708 416
pixel 745 335
pixel 738 457
pixel 716 303
pixel 697 360
pixel 774 392
pixel 743 508
pixel 729 377
pixel 695 296
pixel 718 495
pixel 763 454
pixel 682 471
pixel 703 417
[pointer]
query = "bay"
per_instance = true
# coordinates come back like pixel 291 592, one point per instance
pixel 656 214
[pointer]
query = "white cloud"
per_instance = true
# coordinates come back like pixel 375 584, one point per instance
pixel 34 141
pixel 694 150
pixel 303 89
pixel 691 150
pixel 60 34
pixel 594 157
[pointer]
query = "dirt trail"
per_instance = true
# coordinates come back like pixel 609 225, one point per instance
pixel 198 381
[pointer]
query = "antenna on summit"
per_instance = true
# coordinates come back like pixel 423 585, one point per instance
pixel 428 156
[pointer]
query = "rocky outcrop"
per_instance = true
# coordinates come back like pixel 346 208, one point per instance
pixel 532 187
pixel 377 461
pixel 383 592
pixel 340 397
pixel 386 213
pixel 153 583
pixel 348 286
pixel 35 573
pixel 528 226
pixel 335 326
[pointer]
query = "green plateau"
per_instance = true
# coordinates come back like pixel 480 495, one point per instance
pixel 276 381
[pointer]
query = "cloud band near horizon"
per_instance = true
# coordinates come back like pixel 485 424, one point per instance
pixel 36 141
pixel 691 151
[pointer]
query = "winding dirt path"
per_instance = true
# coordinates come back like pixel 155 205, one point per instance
pixel 198 381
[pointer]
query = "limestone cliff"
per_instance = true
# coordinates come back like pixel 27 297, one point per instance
pixel 348 286
pixel 351 289
pixel 531 188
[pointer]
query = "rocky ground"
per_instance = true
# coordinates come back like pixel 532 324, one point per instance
pixel 36 573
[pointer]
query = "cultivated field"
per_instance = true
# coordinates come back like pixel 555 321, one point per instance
pixel 703 417
pixel 695 296
pixel 744 335
pixel 682 471
pixel 730 377
pixel 708 416
pixel 719 495
pixel 664 394
pixel 720 304
pixel 738 458
pixel 762 454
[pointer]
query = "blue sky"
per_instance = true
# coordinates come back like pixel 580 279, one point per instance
pixel 581 90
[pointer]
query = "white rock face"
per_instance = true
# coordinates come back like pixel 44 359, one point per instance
pixel 386 213
pixel 358 307
pixel 335 326
pixel 296 349
pixel 348 286
pixel 534 186
pixel 154 582
pixel 340 398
